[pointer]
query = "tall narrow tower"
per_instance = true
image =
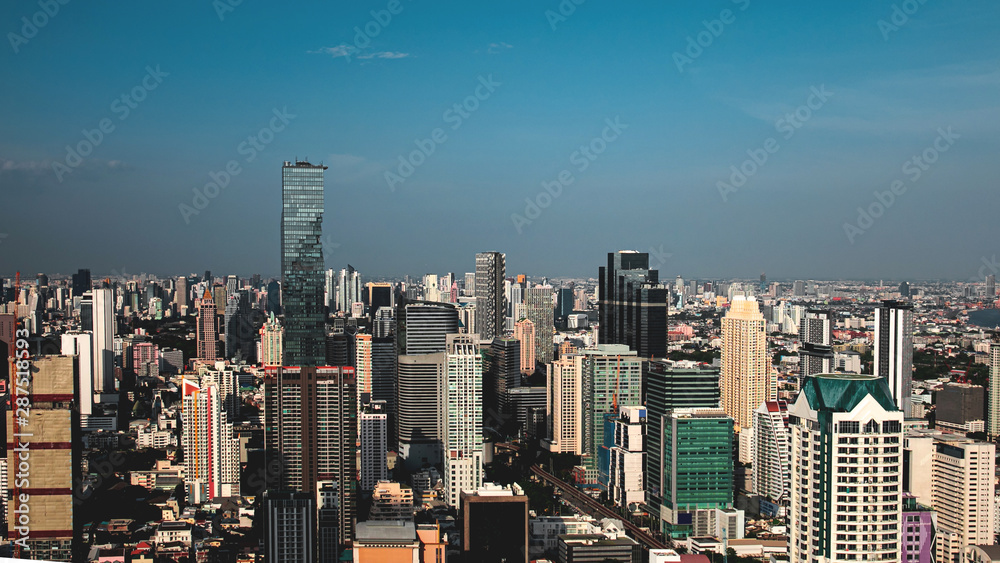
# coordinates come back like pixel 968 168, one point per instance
pixel 463 417
pixel 302 264
pixel 746 379
pixel 894 350
pixel 207 331
pixel 490 307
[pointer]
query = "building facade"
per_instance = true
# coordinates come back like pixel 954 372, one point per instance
pixel 302 280
pixel 893 350
pixel 463 411
pixel 491 269
pixel 745 379
pixel 846 459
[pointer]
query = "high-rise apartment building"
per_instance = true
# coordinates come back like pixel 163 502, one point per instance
pixel 374 431
pixel 302 264
pixel 348 289
pixel 772 463
pixel 310 427
pixel 611 377
pixel 524 332
pixel 43 461
pixel 816 343
pixel 463 424
pixel 626 485
pixel 104 336
pixel 272 337
pixel 211 451
pixel 632 304
pixel 363 369
pixel 745 380
pixel 564 406
pixel 962 478
pixel 79 344
pixel 846 461
pixel 991 287
pixel 993 393
pixel 491 307
pixel 539 310
pixel 290 527
pixel 671 386
pixel 208 338
pixel 181 296
pixel 894 350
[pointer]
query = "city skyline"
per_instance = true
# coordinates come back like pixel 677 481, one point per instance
pixel 670 122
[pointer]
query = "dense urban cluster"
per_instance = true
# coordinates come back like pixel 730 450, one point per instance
pixel 324 416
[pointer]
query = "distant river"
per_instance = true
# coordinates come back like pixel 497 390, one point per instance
pixel 986 318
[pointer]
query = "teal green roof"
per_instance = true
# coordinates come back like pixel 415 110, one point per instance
pixel 841 392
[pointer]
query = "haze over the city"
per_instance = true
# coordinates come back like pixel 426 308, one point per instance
pixel 826 104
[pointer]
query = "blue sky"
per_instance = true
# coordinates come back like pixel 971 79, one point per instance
pixel 655 186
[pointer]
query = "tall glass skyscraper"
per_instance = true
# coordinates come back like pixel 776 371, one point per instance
pixel 302 264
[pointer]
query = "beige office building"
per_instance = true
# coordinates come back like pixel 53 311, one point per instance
pixel 563 387
pixel 745 380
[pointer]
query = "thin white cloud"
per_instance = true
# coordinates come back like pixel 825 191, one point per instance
pixel 347 51
pixel 385 55
pixel 495 48
pixel 342 50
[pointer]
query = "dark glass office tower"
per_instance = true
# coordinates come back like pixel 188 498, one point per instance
pixel 668 388
pixel 302 264
pixel 81 282
pixel 491 269
pixel 632 305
